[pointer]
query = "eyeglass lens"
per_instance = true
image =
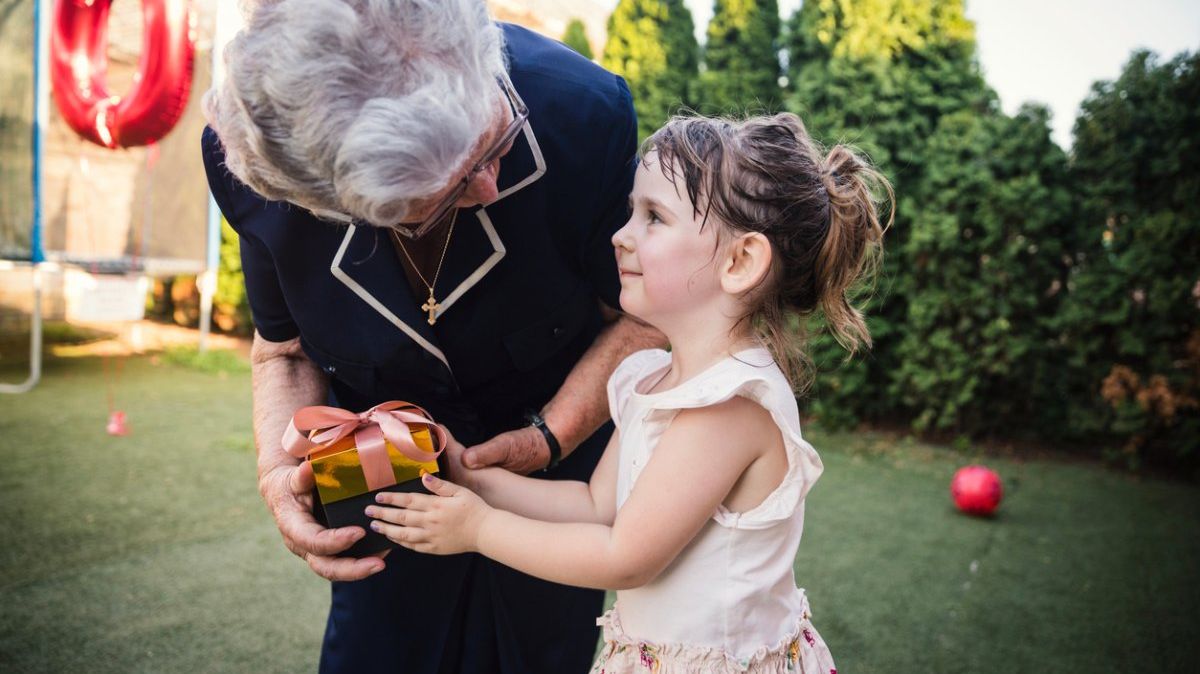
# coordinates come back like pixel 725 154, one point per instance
pixel 442 213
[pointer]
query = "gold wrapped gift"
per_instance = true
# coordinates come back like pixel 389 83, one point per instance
pixel 354 455
pixel 338 471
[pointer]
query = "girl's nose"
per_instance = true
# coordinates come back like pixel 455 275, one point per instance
pixel 621 239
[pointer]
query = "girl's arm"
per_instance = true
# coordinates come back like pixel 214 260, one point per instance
pixel 552 500
pixel 697 462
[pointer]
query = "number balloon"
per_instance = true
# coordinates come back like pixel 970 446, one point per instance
pixel 79 68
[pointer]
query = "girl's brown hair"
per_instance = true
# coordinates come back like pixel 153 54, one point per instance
pixel 819 210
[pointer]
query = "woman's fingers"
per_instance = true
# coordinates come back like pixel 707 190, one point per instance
pixel 300 479
pixel 303 534
pixel 521 451
pixel 343 568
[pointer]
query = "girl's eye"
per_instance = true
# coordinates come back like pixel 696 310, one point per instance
pixel 653 217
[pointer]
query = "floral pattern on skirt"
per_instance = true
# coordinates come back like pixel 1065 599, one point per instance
pixel 802 651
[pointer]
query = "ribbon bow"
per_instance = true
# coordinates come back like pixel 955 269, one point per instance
pixel 317 427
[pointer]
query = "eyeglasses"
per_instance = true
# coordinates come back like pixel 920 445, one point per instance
pixel 520 114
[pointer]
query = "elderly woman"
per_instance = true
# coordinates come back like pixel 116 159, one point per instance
pixel 425 201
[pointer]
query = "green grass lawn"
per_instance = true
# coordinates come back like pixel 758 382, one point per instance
pixel 153 552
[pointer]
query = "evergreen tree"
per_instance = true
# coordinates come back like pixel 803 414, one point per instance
pixel 880 74
pixel 576 38
pixel 986 256
pixel 1132 317
pixel 741 57
pixel 651 44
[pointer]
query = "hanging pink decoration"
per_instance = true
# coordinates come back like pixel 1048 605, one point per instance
pixel 79 69
pixel 116 423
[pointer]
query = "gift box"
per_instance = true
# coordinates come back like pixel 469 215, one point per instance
pixel 354 456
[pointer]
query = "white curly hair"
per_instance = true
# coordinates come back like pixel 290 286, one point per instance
pixel 356 108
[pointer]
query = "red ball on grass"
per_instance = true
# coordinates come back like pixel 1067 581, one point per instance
pixel 976 490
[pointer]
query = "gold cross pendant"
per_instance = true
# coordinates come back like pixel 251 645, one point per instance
pixel 432 307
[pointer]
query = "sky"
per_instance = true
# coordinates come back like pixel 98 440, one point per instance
pixel 1051 51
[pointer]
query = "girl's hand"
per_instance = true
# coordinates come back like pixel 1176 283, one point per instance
pixel 444 524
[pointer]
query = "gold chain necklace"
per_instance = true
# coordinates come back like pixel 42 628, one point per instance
pixel 431 306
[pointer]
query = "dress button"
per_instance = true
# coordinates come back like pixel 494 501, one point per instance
pixel 331 369
pixel 557 332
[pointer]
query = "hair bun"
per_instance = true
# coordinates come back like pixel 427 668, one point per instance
pixel 838 167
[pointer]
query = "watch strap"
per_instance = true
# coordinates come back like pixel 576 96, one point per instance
pixel 534 419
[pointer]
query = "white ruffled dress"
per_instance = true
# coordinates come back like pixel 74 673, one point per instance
pixel 729 602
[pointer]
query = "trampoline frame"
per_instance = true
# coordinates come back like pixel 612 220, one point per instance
pixel 37 255
pixel 207 278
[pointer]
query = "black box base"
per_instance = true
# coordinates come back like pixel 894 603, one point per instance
pixel 349 513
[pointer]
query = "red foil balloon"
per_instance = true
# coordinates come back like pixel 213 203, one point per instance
pixel 976 490
pixel 79 68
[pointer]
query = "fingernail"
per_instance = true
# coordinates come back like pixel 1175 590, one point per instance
pixel 374 525
pixel 428 478
pixel 376 568
pixel 369 511
pixel 357 534
pixel 379 497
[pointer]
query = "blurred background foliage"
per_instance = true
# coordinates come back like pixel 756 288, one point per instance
pixel 1028 294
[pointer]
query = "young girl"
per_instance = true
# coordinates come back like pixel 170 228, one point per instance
pixel 695 511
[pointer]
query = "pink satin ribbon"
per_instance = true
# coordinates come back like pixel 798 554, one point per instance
pixel 317 427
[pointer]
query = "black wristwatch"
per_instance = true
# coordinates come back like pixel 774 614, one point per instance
pixel 539 423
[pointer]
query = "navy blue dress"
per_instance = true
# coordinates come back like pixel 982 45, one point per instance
pixel 520 288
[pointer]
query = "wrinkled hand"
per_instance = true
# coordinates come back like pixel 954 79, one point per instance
pixel 521 451
pixel 456 470
pixel 288 493
pixel 443 524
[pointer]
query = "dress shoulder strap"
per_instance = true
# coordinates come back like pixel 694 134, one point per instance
pixel 627 375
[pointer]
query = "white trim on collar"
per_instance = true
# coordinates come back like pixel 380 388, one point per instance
pixel 336 270
pixel 539 162
pixel 498 252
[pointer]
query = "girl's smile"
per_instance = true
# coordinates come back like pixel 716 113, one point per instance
pixel 664 258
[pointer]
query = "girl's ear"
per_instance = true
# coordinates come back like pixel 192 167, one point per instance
pixel 746 263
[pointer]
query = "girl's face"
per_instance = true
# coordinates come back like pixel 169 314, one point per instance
pixel 667 264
